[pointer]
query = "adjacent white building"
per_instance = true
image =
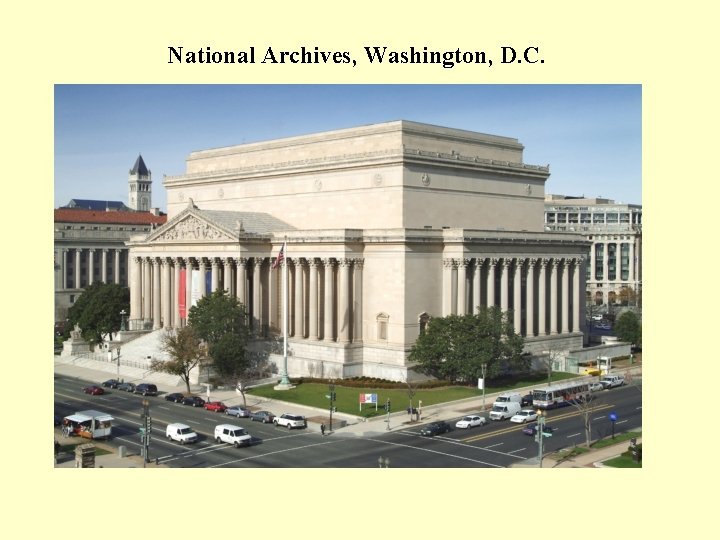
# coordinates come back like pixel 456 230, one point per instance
pixel 615 254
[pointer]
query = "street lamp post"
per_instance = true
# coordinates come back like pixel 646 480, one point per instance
pixel 146 431
pixel 118 365
pixel 122 320
pixel 484 367
pixel 539 432
pixel 331 387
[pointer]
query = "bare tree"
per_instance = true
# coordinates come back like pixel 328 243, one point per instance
pixel 186 352
pixel 587 405
pixel 411 391
pixel 548 359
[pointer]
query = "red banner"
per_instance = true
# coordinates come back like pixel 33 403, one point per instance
pixel 182 305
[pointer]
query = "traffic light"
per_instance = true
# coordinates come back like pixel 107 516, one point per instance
pixel 387 405
pixel 333 396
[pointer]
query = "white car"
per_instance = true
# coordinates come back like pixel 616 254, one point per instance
pixel 470 421
pixel 596 387
pixel 290 421
pixel 524 415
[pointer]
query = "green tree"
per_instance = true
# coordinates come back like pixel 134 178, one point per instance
pixel 186 351
pixel 97 310
pixel 228 356
pixel 455 347
pixel 628 328
pixel 221 321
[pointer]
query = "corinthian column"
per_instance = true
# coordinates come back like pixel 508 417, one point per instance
pixel 447 296
pixel 215 275
pixel 343 314
pixel 78 254
pixel 553 296
pixel 329 293
pixel 462 286
pixel 299 331
pixel 257 312
pixel 530 299
pixel 241 280
pixel 577 293
pixel 165 300
pixel 135 288
pixel 477 286
pixel 357 300
pixel 504 284
pixel 492 263
pixel 227 276
pixel 313 300
pixel 156 294
pixel 565 296
pixel 147 289
pixel 542 305
pixel 517 296
pixel 91 267
pixel 103 266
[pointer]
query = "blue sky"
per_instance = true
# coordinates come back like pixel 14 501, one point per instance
pixel 589 134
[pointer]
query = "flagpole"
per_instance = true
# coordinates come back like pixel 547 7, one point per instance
pixel 285 380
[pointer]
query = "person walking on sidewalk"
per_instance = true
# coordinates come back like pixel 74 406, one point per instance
pixel 322 429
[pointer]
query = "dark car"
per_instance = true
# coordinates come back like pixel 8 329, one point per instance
pixel 266 417
pixel 175 396
pixel 531 429
pixel 93 390
pixel 127 386
pixel 238 411
pixel 111 383
pixel 436 428
pixel 195 401
pixel 146 389
pixel 526 400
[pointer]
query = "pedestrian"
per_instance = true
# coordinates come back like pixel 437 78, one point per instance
pixel 322 429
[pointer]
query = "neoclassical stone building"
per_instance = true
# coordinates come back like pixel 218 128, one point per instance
pixel 387 225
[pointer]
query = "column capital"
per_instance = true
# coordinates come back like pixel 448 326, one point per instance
pixel 240 260
pixel 258 261
pixel 462 262
pixel 531 262
pixel 449 263
pixel 493 261
pixel 329 262
pixel 358 263
pixel 344 262
pixel 507 261
pixel 313 262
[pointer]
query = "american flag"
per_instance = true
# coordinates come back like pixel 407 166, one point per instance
pixel 280 257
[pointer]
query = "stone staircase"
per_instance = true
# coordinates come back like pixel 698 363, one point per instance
pixel 135 358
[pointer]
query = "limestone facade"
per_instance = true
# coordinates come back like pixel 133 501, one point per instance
pixel 386 226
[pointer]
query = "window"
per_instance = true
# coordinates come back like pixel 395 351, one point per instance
pixel 382 326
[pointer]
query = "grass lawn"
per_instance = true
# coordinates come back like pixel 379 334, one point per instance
pixel 313 395
pixel 619 437
pixel 623 462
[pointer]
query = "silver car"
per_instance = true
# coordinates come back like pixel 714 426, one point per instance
pixel 238 411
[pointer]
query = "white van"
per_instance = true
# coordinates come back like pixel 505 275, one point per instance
pixel 181 433
pixel 502 399
pixel 234 435
pixel 502 411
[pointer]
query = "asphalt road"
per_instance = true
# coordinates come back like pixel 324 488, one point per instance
pixel 495 445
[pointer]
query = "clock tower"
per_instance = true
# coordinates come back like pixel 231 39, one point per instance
pixel 140 196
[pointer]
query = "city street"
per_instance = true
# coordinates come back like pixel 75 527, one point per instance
pixel 497 444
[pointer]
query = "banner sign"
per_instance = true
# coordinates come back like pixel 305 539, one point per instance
pixel 368 398
pixel 182 290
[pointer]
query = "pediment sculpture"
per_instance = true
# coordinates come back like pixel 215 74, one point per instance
pixel 192 228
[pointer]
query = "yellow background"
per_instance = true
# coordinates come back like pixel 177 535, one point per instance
pixel 666 49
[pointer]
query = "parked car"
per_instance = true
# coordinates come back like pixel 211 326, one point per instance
pixel 177 397
pixel 526 400
pixel 195 401
pixel 217 406
pixel 596 387
pixel 467 422
pixel 531 429
pixel 93 390
pixel 146 389
pixel 436 428
pixel 290 421
pixel 239 411
pixel 265 417
pixel 524 415
pixel 127 386
pixel 111 383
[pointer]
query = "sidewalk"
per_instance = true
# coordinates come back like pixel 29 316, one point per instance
pixel 352 426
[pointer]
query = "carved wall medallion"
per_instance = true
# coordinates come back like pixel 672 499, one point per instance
pixel 377 180
pixel 425 179
pixel 318 185
pixel 181 196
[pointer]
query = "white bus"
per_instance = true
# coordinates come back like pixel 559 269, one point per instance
pixel 560 394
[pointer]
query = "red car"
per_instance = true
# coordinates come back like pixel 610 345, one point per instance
pixel 93 390
pixel 217 406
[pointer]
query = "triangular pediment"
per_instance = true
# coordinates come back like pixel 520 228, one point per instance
pixel 190 227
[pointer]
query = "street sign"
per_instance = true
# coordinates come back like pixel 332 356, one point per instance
pixel 327 396
pixel 613 417
pixel 547 434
